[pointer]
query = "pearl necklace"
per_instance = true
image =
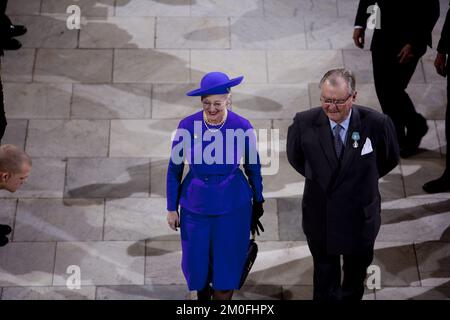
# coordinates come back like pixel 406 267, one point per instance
pixel 206 122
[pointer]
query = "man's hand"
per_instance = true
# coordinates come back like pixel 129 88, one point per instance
pixel 406 54
pixel 173 220
pixel 440 63
pixel 358 37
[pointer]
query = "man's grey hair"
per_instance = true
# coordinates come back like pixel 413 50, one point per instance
pixel 12 159
pixel 333 75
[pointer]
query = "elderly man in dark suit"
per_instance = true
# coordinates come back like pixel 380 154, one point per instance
pixel 442 184
pixel 402 32
pixel 342 150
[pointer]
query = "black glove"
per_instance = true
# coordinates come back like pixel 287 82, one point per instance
pixel 257 212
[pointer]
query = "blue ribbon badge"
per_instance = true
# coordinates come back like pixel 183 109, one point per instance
pixel 355 138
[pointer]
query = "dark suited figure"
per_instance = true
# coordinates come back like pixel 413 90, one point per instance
pixel 442 184
pixel 342 150
pixel 8 30
pixel 397 45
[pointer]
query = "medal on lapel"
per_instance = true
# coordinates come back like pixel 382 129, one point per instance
pixel 355 138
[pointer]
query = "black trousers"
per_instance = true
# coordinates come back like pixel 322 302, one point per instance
pixel 447 124
pixel 327 274
pixel 391 80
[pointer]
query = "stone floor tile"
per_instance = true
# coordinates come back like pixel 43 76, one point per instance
pixel 269 221
pixel 290 219
pixel 132 8
pixel 23 7
pixel 289 8
pixel 8 212
pixel 360 62
pixel 107 178
pixel 46 180
pixel 397 263
pixel 227 8
pixel 27 264
pixel 329 32
pixel 296 292
pixel 59 220
pixel 413 293
pixel 391 185
pixel 147 65
pixel 119 101
pixel 137 219
pixel 68 65
pixel 192 33
pixel 431 76
pixel 270 101
pixel 285 183
pixel 74 138
pixel 101 263
pixel 270 33
pixel 158 176
pixel 88 8
pixel 118 32
pixel 56 34
pixel 163 263
pixel 17 65
pixel 429 99
pixel 258 292
pixel 15 133
pixel 49 293
pixel 414 220
pixel 249 63
pixel 282 263
pixel 433 260
pixel 301 66
pixel 418 171
pixel 37 100
pixel 149 292
pixel 141 138
pixel 347 8
pixel 170 101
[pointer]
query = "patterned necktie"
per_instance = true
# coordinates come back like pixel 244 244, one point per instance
pixel 337 140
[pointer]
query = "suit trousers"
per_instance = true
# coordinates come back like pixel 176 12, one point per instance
pixel 391 80
pixel 327 274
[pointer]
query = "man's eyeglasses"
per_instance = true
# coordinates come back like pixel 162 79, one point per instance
pixel 338 103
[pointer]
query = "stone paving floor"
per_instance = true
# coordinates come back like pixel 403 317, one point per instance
pixel 95 108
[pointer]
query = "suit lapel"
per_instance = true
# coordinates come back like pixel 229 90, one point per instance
pixel 326 140
pixel 350 152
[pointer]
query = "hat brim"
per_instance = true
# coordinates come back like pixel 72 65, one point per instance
pixel 218 89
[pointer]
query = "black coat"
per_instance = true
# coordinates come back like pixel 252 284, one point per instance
pixel 341 201
pixel 402 22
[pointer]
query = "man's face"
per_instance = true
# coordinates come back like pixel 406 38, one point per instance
pixel 12 182
pixel 336 102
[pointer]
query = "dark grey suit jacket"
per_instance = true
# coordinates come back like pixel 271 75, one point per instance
pixel 341 201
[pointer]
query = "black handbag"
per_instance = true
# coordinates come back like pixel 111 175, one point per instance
pixel 252 252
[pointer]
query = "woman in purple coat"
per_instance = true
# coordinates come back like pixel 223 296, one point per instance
pixel 219 205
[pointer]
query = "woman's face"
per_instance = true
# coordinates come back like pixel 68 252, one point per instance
pixel 215 106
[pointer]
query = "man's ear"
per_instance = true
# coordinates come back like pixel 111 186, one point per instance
pixel 354 96
pixel 4 176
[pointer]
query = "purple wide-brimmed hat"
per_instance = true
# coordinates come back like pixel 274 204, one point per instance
pixel 215 83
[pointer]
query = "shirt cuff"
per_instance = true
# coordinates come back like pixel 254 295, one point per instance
pixel 359 27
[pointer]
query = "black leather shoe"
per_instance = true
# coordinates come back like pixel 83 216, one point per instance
pixel 3 241
pixel 16 31
pixel 441 184
pixel 11 44
pixel 5 229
